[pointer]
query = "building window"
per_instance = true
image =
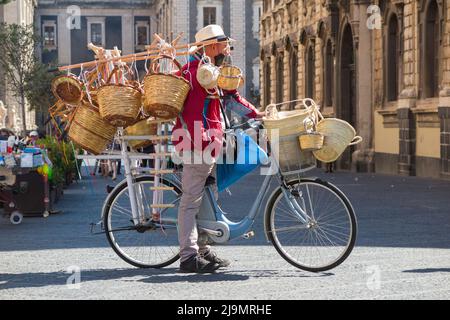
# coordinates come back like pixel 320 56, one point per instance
pixel 267 84
pixel 293 62
pixel 96 31
pixel 142 34
pixel 209 12
pixel 280 79
pixel 329 74
pixel 392 66
pixel 49 35
pixel 309 88
pixel 431 52
pixel 209 16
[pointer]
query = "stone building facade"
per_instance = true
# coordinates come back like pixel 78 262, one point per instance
pixel 15 12
pixel 240 20
pixel 383 66
pixel 68 26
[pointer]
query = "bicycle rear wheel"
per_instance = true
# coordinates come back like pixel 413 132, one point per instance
pixel 326 239
pixel 148 244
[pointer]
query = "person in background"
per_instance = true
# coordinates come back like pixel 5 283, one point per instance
pixel 32 138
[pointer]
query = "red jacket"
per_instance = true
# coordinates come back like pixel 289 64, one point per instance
pixel 201 121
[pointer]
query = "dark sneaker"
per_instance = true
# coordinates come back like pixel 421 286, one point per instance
pixel 211 256
pixel 197 264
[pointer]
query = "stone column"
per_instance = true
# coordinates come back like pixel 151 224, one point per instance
pixel 444 101
pixel 64 43
pixel 128 35
pixel 362 158
pixel 407 142
pixel 408 96
pixel 444 116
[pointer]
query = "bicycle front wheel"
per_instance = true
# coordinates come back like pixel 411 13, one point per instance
pixel 328 235
pixel 146 244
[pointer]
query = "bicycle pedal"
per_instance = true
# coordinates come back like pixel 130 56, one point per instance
pixel 249 235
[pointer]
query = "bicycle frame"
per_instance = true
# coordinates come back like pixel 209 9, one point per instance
pixel 211 218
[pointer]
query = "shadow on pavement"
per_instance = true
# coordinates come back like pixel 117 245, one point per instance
pixel 167 275
pixel 428 270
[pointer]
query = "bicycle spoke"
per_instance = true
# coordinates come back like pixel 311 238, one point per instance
pixel 324 240
pixel 141 245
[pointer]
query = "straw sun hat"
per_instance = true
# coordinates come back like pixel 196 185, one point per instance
pixel 210 32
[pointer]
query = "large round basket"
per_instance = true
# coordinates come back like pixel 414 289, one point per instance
pixel 147 127
pixel 164 94
pixel 339 134
pixel 89 131
pixel 68 89
pixel 230 78
pixel 119 104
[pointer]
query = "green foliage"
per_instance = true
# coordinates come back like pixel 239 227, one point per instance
pixel 62 156
pixel 26 76
pixel 4 1
pixel 38 88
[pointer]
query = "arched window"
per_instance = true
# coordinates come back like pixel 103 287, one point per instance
pixel 267 80
pixel 293 63
pixel 329 74
pixel 309 88
pixel 280 79
pixel 431 51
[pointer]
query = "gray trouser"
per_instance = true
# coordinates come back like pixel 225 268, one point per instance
pixel 193 185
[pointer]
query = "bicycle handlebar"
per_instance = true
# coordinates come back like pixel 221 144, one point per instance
pixel 249 124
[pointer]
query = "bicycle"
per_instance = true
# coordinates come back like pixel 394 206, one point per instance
pixel 310 222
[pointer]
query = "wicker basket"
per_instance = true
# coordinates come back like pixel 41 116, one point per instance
pixel 311 141
pixel 68 89
pixel 119 104
pixel 89 131
pixel 288 122
pixel 147 127
pixel 164 94
pixel 290 158
pixel 283 131
pixel 339 134
pixel 230 78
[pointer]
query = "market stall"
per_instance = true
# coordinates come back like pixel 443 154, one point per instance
pixel 24 182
